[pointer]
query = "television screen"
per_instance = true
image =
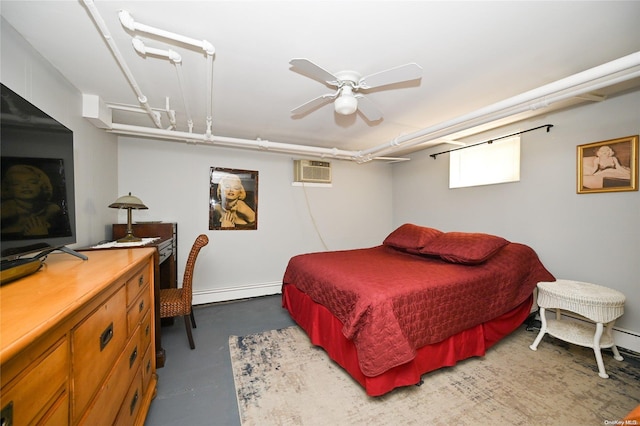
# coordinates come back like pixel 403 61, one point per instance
pixel 37 205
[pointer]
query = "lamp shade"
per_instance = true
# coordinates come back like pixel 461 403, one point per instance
pixel 346 104
pixel 128 202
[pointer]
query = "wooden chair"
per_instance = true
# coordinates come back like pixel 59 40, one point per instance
pixel 175 302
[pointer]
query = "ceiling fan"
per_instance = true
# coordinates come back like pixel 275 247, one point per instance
pixel 346 99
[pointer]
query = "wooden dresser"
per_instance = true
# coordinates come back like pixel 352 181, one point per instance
pixel 76 341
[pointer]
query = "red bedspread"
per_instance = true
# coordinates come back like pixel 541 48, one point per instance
pixel 391 302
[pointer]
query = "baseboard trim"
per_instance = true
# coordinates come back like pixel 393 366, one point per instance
pixel 235 293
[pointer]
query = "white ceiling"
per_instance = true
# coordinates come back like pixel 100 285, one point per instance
pixel 473 54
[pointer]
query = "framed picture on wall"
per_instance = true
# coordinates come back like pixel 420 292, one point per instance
pixel 608 166
pixel 233 199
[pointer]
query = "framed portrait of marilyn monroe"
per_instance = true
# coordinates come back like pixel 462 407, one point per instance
pixel 233 199
pixel 608 166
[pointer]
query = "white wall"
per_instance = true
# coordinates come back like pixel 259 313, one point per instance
pixel 27 73
pixel 172 179
pixel 586 237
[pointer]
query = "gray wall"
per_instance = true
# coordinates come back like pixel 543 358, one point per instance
pixel 172 179
pixel 585 237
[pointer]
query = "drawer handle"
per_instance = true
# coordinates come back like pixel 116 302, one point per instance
pixel 133 356
pixel 106 336
pixel 148 366
pixel 140 280
pixel 141 306
pixel 6 415
pixel 147 330
pixel 134 401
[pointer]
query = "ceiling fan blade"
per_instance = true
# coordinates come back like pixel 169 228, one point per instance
pixel 314 103
pixel 314 71
pixel 399 74
pixel 368 109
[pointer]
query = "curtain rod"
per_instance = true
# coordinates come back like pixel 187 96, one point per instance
pixel 490 141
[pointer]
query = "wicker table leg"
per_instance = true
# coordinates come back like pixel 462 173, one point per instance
pixel 543 330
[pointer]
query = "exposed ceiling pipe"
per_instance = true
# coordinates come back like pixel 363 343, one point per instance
pixel 210 92
pixel 176 60
pixel 130 108
pixel 544 102
pixel 261 144
pixel 531 100
pixel 128 22
pixel 576 85
pixel 123 65
pixel 171 113
pixel 438 131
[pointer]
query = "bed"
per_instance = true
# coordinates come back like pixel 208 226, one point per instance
pixel 422 300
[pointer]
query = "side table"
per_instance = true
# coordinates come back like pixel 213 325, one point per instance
pixel 599 304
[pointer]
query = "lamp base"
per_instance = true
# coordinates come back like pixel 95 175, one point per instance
pixel 129 238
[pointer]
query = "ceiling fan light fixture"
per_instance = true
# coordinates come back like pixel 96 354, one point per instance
pixel 346 104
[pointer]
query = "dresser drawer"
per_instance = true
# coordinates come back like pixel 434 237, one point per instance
pixel 136 283
pixel 145 332
pixel 147 368
pixel 107 403
pixel 138 310
pixel 58 414
pixel 132 401
pixel 39 385
pixel 96 343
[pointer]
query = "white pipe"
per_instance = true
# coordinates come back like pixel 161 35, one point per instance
pixel 333 152
pixel 210 93
pixel 509 106
pixel 234 142
pixel 125 129
pixel 538 103
pixel 128 22
pixel 123 65
pixel 176 59
pixel 131 108
pixel 184 93
pixel 171 114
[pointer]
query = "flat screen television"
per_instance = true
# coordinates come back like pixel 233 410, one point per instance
pixel 38 198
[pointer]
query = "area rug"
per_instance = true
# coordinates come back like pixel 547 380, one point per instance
pixel 281 379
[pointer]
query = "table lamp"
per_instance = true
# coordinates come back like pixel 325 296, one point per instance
pixel 128 202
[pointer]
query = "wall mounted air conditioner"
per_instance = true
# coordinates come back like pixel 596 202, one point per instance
pixel 311 171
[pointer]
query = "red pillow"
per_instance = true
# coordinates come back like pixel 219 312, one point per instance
pixel 464 247
pixel 411 237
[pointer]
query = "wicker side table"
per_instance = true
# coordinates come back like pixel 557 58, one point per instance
pixel 599 304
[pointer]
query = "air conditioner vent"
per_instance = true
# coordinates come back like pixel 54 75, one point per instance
pixel 312 171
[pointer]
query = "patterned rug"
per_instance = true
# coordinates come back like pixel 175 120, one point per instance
pixel 281 379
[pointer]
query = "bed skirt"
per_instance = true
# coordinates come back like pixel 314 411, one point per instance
pixel 325 330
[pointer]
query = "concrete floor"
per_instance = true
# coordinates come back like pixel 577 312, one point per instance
pixel 195 387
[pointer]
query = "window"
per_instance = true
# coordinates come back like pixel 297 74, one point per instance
pixel 485 164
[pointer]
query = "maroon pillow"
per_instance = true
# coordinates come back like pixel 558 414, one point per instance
pixel 411 237
pixel 464 247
